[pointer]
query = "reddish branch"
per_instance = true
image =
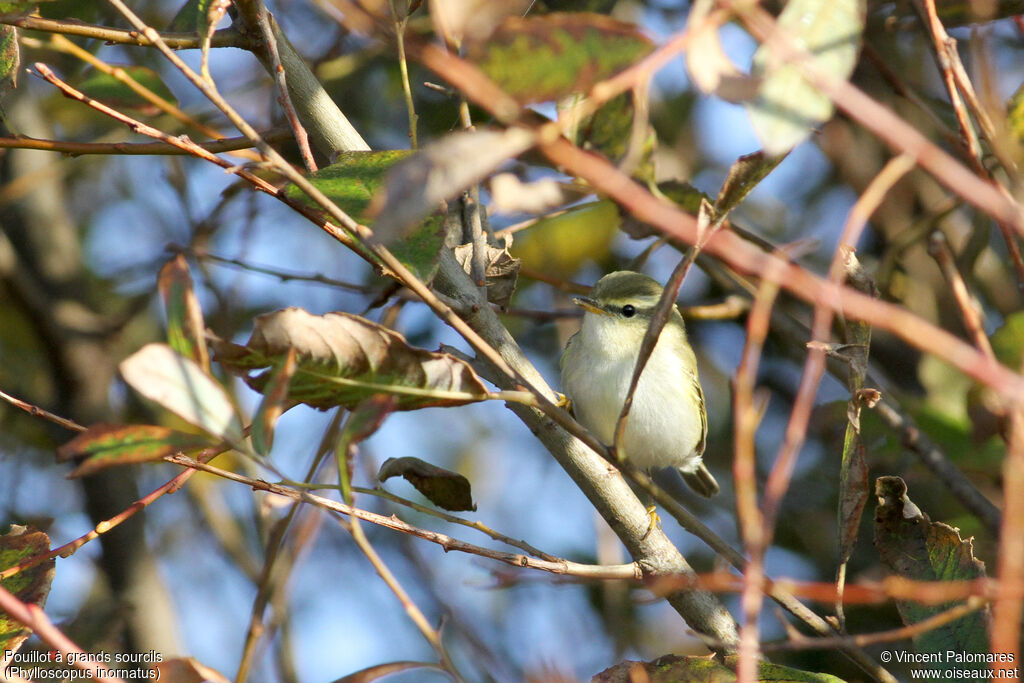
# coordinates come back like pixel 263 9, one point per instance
pixel 747 258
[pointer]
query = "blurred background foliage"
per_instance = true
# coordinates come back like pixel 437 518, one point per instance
pixel 82 239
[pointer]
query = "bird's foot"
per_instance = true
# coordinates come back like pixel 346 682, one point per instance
pixel 655 520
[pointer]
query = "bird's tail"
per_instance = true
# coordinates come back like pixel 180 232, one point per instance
pixel 701 481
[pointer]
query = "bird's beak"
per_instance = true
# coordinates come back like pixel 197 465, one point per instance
pixel 589 305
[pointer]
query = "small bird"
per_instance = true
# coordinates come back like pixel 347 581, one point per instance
pixel 667 425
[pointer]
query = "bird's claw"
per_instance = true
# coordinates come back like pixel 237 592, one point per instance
pixel 655 520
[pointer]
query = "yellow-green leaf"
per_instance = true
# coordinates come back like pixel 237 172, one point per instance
pixel 560 245
pixel 105 445
pixel 351 183
pixel 10 58
pixel 185 327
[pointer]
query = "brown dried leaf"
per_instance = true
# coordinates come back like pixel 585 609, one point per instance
pixel 444 488
pixel 501 272
pixel 416 186
pixel 709 67
pixel 344 359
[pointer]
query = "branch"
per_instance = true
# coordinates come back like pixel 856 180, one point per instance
pixel 564 567
pixel 749 259
pixel 224 38
pixel 330 129
pixel 132 148
pixel 34 618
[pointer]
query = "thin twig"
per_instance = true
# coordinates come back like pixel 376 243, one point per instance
pixel 662 312
pixel 344 453
pixel 883 123
pixel 945 54
pixel 186 145
pixel 477 525
pixel 33 617
pixel 132 148
pixel 956 81
pixel 796 429
pixel 449 543
pixel 864 640
pixel 938 247
pixel 62 44
pixel 745 257
pixel 280 274
pixel 746 418
pixel 36 411
pixel 1004 636
pixel 270 576
pixel 179 41
pixel 266 24
pixel 401 23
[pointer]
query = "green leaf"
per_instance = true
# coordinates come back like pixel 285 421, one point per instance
pixel 187 18
pixel 10 58
pixel 420 249
pixel 916 548
pixel 273 404
pixel 542 58
pixel 853 472
pixel 11 7
pixel 162 375
pixel 31 586
pixel 185 327
pixel 444 488
pixel 105 445
pixel 344 359
pixel 1008 340
pixel 744 175
pixel 685 195
pixel 674 668
pixel 1015 115
pixel 351 183
pixel 113 92
pixel 787 106
pixel 614 131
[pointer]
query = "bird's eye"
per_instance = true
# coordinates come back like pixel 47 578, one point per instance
pixel 629 310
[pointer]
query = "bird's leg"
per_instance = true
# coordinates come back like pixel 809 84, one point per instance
pixel 652 513
pixel 563 401
pixel 655 519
